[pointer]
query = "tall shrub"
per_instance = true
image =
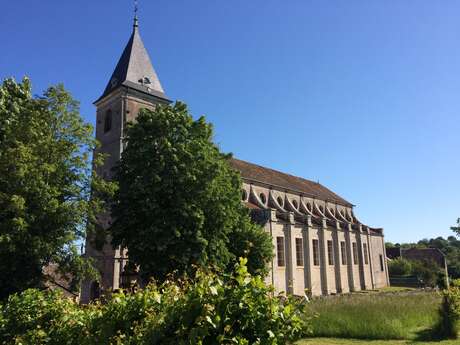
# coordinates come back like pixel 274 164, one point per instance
pixel 427 272
pixel 449 312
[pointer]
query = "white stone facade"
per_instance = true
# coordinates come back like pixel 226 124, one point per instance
pixel 308 236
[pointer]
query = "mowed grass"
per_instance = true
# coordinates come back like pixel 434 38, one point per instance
pixel 403 315
pixel 333 341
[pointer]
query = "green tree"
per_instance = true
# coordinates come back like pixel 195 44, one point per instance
pixel 179 203
pixel 45 184
pixel 456 229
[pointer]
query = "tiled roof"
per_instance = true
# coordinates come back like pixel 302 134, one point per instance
pixel 277 179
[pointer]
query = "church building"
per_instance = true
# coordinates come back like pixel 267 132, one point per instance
pixel 320 246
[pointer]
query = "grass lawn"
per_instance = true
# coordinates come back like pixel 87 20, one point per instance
pixel 389 315
pixel 335 341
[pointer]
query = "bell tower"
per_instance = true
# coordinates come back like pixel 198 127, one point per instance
pixel 133 85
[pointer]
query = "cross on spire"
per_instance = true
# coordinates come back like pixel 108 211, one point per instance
pixel 136 9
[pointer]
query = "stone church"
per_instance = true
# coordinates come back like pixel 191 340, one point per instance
pixel 319 243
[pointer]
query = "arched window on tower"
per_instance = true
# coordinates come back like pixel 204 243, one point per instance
pixel 108 121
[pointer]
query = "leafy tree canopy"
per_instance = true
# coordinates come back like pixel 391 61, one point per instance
pixel 45 182
pixel 179 202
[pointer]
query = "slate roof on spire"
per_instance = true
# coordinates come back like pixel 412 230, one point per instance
pixel 135 70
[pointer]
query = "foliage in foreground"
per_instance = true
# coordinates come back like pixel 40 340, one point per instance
pixel 376 316
pixel 237 309
pixel 179 202
pixel 449 312
pixel 45 184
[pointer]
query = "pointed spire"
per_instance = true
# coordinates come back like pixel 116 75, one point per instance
pixel 134 69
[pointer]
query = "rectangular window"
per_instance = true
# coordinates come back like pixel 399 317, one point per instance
pixel 315 252
pixel 343 251
pixel 355 253
pixel 365 253
pixel 330 252
pixel 381 263
pixel 299 251
pixel 280 251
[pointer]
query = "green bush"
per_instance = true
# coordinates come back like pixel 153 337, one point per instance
pixel 427 272
pixel 400 267
pixel 449 312
pixel 36 317
pixel 236 309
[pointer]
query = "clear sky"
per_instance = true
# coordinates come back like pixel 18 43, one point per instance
pixel 363 96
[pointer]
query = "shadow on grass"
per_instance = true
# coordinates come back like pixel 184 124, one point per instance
pixel 432 335
pixel 428 335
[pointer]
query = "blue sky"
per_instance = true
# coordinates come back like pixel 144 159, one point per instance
pixel 363 96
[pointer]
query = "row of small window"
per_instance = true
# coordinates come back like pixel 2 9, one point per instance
pixel 330 252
